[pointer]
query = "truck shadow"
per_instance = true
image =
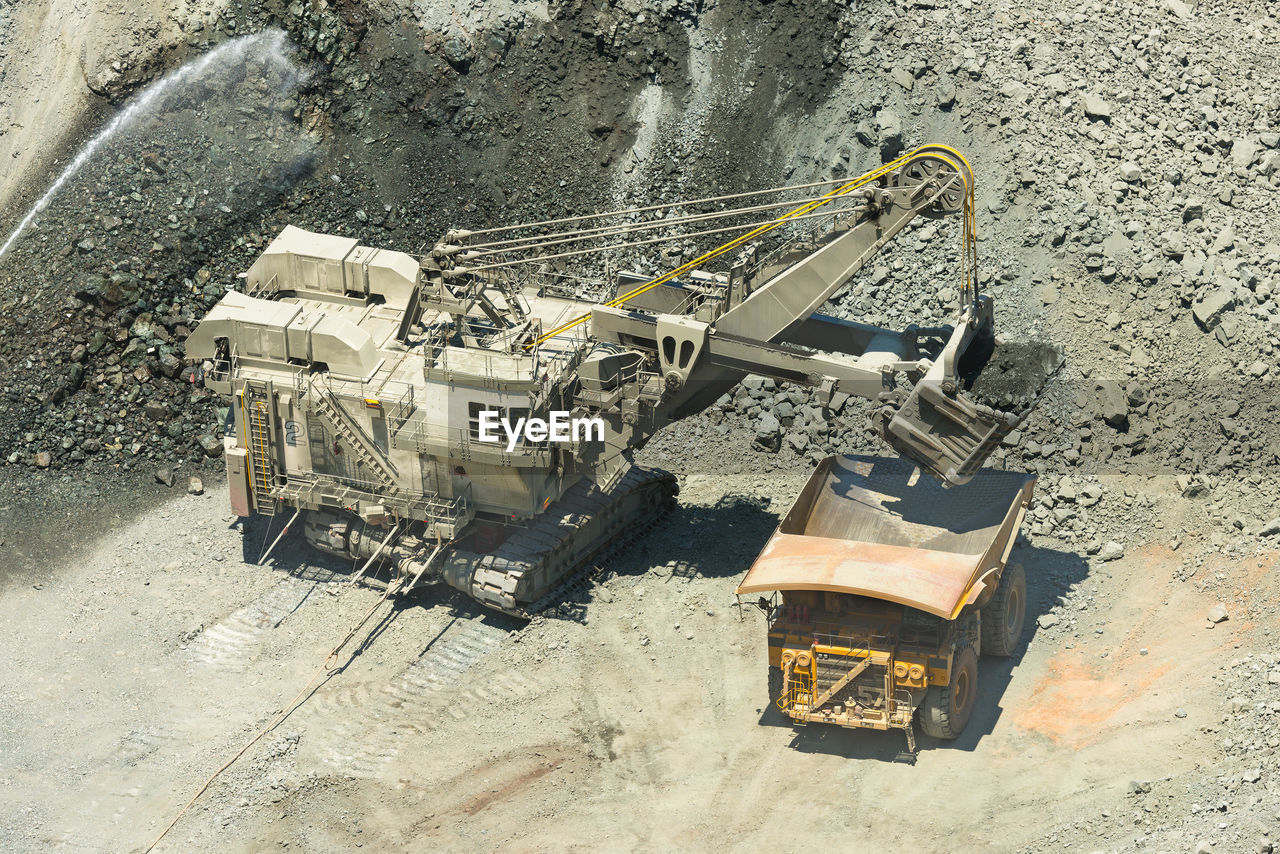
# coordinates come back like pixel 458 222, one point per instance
pixel 1049 573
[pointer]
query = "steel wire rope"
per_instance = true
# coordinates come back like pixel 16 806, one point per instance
pixel 648 208
pixel 284 713
pixel 517 244
pixel 594 250
pixel 736 242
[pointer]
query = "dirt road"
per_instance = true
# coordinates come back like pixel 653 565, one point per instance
pixel 635 722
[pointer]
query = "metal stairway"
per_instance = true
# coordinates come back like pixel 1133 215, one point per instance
pixel 367 454
pixel 256 402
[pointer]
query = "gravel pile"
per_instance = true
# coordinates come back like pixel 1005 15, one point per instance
pixel 1126 191
pixel 101 291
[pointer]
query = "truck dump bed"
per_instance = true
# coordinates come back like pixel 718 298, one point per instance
pixel 876 527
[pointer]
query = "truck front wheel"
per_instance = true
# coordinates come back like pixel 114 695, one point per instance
pixel 946 708
pixel 1002 618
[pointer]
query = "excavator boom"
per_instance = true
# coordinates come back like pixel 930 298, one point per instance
pixel 931 421
pixel 362 381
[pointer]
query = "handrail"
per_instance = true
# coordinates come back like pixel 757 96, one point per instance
pixel 436 507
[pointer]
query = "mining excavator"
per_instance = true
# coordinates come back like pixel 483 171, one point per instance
pixel 365 385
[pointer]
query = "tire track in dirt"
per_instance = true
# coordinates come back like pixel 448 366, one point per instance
pixel 361 728
pixel 114 811
pixel 229 644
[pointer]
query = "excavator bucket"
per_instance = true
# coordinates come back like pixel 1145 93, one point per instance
pixel 948 435
pixel 941 427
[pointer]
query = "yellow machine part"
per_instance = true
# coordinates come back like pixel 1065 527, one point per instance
pixel 910 671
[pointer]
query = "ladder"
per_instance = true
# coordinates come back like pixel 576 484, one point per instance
pixel 367 454
pixel 256 404
pixel 840 683
pixel 797 688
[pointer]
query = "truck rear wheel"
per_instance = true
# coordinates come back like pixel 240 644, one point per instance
pixel 946 708
pixel 775 684
pixel 1003 616
pixel 772 714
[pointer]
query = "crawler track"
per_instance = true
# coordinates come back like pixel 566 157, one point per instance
pixel 540 565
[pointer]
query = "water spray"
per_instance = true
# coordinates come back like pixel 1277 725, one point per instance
pixel 272 43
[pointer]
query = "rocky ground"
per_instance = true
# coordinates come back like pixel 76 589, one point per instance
pixel 1127 161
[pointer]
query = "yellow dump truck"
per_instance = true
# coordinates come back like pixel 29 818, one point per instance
pixel 881 587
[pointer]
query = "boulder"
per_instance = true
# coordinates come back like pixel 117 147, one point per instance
pixel 1114 403
pixel 889 131
pixel 1111 550
pixel 768 432
pixel 1096 108
pixel 210 444
pixel 1208 312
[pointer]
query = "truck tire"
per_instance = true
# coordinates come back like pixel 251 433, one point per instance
pixel 946 708
pixel 1002 617
pixel 772 714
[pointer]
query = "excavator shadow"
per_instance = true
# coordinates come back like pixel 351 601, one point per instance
pixel 292 555
pixel 716 541
pixel 295 558
pixel 1049 573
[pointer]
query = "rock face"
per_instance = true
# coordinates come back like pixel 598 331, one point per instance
pixel 129 256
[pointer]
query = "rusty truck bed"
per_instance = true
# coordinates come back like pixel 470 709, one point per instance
pixel 878 527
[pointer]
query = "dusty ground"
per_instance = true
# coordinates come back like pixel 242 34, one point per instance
pixel 635 723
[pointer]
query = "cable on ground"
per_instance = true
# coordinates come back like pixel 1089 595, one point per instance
pixel 324 667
